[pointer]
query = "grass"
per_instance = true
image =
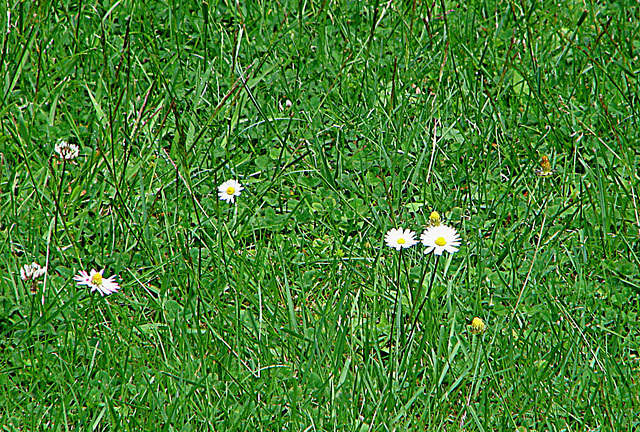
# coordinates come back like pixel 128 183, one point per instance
pixel 285 310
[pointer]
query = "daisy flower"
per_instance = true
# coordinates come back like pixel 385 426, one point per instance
pixel 32 271
pixel 440 238
pixel 66 151
pixel 478 326
pixel 229 189
pixel 399 238
pixel 97 282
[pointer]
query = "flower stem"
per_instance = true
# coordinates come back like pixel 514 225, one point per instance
pixel 396 307
pixel 57 201
pixel 425 266
pixel 88 314
pixel 426 297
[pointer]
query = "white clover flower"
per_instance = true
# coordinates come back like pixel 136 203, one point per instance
pixel 440 238
pixel 228 190
pixel 398 238
pixel 32 271
pixel 66 151
pixel 97 282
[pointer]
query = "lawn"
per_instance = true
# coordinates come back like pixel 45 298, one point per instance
pixel 279 304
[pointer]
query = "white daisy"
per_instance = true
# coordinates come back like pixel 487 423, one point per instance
pixel 440 238
pixel 229 189
pixel 97 282
pixel 32 271
pixel 66 151
pixel 399 238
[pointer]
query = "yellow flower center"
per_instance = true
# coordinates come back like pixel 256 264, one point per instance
pixel 97 279
pixel 440 241
pixel 401 241
pixel 231 190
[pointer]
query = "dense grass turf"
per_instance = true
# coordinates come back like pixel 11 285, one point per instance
pixel 286 310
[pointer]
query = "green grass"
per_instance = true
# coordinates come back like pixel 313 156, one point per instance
pixel 279 312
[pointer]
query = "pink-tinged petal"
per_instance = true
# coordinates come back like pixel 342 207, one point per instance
pixel 105 286
pixel 82 278
pixel 101 290
pixel 110 288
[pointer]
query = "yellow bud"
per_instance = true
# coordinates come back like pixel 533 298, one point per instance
pixel 434 218
pixel 478 326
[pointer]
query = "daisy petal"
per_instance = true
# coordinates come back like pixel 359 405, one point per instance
pixel 96 282
pixel 400 239
pixel 228 190
pixel 440 238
